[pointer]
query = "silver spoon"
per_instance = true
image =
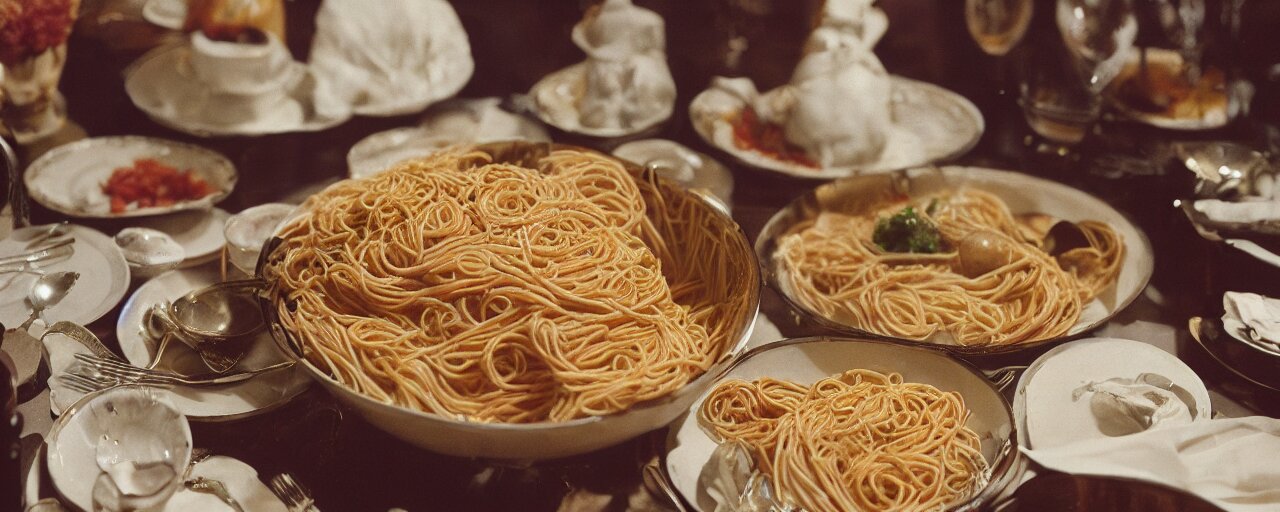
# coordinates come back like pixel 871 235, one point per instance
pixel 215 321
pixel 48 232
pixel 47 291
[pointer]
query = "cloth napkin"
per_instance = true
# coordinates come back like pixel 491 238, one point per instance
pixel 1231 462
pixel 395 58
pixel 1248 211
pixel 1253 319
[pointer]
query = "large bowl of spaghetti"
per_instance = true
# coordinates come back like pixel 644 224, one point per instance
pixel 512 300
pixel 849 424
pixel 969 260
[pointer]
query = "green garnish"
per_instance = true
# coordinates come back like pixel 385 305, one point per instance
pixel 906 231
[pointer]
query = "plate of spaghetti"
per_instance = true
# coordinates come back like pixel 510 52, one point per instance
pixel 849 424
pixel 512 300
pixel 970 260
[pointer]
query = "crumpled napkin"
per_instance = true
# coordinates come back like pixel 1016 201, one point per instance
pixel 1230 462
pixel 1249 211
pixel 395 58
pixel 1253 319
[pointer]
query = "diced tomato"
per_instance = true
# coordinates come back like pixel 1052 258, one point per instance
pixel 151 183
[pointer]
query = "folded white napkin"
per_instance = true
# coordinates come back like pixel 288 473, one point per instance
pixel 395 58
pixel 1230 462
pixel 1253 319
pixel 1252 211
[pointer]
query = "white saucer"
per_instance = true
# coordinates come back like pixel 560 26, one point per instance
pixel 199 232
pixel 1047 413
pixel 930 124
pixel 555 99
pixel 233 401
pixel 104 279
pixel 162 84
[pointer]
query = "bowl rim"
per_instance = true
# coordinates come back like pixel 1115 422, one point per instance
pixel 1003 471
pixel 765 247
pixel 288 345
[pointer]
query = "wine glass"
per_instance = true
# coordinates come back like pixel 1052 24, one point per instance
pixel 997 25
pixel 1099 35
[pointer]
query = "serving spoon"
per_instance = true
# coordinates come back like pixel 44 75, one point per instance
pixel 215 321
pixel 48 290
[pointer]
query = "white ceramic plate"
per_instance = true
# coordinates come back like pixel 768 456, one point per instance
pixel 1209 119
pixel 931 124
pixel 162 85
pixel 69 178
pixel 104 279
pixel 170 14
pixel 241 481
pixel 1023 193
pixel 253 396
pixel 808 360
pixel 1047 414
pixel 555 99
pixel 199 232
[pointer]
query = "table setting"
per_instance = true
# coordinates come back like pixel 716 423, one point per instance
pixel 639 255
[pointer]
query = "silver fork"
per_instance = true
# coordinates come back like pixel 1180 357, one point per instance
pixel 132 374
pixel 295 497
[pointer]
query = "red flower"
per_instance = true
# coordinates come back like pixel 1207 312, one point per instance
pixel 29 27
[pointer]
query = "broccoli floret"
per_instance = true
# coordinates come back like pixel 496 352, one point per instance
pixel 906 231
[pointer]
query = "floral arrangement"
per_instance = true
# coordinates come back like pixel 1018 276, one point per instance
pixel 29 27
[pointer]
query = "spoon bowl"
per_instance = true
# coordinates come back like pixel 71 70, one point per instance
pixel 48 290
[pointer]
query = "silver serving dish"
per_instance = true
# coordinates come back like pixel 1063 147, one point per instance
pixel 1247 361
pixel 546 440
pixel 1022 192
pixel 810 359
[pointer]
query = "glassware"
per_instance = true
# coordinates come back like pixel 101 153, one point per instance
pixel 142 445
pixel 1055 98
pixel 1098 35
pixel 997 25
pixel 247 231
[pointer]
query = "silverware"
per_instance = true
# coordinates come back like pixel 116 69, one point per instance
pixel 655 478
pixel 82 335
pixel 49 232
pixel 295 497
pixel 60 249
pixel 214 487
pixel 47 291
pixel 215 321
pixel 106 368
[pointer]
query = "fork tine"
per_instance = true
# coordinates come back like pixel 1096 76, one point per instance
pixel 124 371
pixel 83 383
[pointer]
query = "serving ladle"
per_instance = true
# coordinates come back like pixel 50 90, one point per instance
pixel 215 321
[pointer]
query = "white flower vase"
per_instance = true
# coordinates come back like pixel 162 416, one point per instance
pixel 33 108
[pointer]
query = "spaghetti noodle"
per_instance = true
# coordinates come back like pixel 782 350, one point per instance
pixel 860 440
pixel 492 292
pixel 994 284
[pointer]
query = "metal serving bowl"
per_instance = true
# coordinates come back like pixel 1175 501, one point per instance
pixel 544 440
pixel 809 359
pixel 1023 193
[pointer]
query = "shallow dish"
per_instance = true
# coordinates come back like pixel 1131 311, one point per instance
pixel 544 440
pixel 930 124
pixel 1247 361
pixel 1048 414
pixel 1214 116
pixel 69 178
pixel 104 279
pixel 199 232
pixel 554 101
pixel 211 403
pixel 807 360
pixel 1021 192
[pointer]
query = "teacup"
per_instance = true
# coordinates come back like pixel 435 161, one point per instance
pixel 239 68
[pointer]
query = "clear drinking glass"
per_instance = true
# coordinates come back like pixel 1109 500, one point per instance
pixel 997 25
pixel 143 444
pixel 1055 97
pixel 1098 35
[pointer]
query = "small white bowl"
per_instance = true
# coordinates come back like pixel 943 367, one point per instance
pixel 248 230
pixel 126 423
